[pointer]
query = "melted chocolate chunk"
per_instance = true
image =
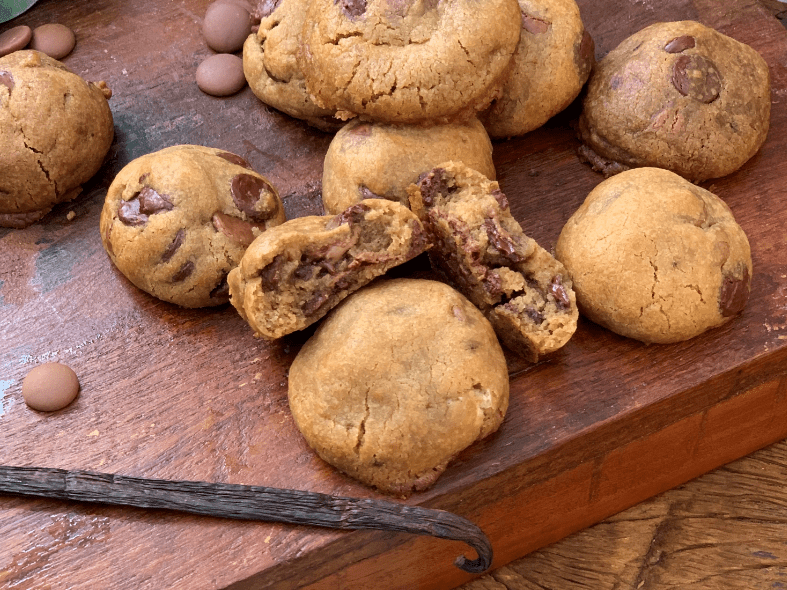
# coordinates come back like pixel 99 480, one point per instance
pixel 733 294
pixel 271 274
pixel 129 213
pixel 246 193
pixel 351 215
pixel 183 272
pixel 222 290
pixel 432 184
pixel 234 159
pixel 314 303
pixel 7 80
pixel 680 44
pixel 559 292
pixel 173 247
pixel 536 316
pixel 365 193
pixel 352 8
pixel 266 7
pixel 150 202
pixel 236 229
pixel 534 25
pixel 696 77
pixel 492 284
pixel 501 198
pixel 501 240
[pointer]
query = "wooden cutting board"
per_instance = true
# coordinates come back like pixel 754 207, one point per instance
pixel 191 394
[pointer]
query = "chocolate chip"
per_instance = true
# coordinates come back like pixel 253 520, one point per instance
pixel 534 25
pixel 680 44
pixel 501 240
pixel 54 39
pixel 7 80
pixel 585 55
pixel 734 293
pixel 361 130
pixel 222 290
pixel 696 77
pixel 501 199
pixel 266 7
pixel 183 272
pixel 351 215
pixel 432 184
pixel 234 159
pixel 558 291
pixel 492 284
pixel 314 303
pixel 536 316
pixel 352 8
pixel 247 190
pixel 365 193
pixel 176 243
pixel 270 275
pixel 236 229
pixel 304 271
pixel 129 213
pixel 150 202
pixel 14 39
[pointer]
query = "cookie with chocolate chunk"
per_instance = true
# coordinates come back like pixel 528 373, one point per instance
pixel 551 65
pixel 55 131
pixel 679 96
pixel 176 221
pixel 375 160
pixel 398 380
pixel 481 248
pixel 655 257
pixel 271 67
pixel 409 61
pixel 293 274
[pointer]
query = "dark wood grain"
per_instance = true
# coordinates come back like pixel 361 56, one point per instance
pixel 170 393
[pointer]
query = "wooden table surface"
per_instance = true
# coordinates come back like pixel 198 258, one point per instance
pixel 190 394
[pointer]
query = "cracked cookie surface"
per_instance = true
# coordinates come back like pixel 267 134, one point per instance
pixel 524 292
pixel 375 160
pixel 297 272
pixel 271 67
pixel 397 380
pixel 550 66
pixel 55 131
pixel 656 258
pixel 407 61
pixel 176 221
pixel 679 96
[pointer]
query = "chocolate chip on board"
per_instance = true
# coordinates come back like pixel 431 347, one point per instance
pixel 53 39
pixel 14 39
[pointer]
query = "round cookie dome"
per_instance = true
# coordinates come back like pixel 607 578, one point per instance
pixel 407 61
pixel 398 379
pixel 176 221
pixel 679 96
pixel 373 160
pixel 655 257
pixel 55 131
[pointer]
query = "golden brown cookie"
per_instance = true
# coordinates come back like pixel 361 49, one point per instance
pixel 481 248
pixel 407 61
pixel 656 258
pixel 294 274
pixel 55 130
pixel 176 221
pixel 375 160
pixel 396 381
pixel 551 65
pixel 679 96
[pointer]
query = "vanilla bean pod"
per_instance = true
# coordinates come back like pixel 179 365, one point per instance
pixel 249 503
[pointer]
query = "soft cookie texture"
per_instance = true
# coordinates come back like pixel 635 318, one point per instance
pixel 367 160
pixel 679 96
pixel 271 68
pixel 292 275
pixel 481 248
pixel 551 65
pixel 407 61
pixel 176 221
pixel 398 379
pixel 656 258
pixel 55 130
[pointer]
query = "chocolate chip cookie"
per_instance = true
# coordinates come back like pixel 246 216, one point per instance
pixel 396 381
pixel 679 96
pixel 176 221
pixel 55 131
pixel 271 68
pixel 656 258
pixel 375 160
pixel 551 65
pixel 294 274
pixel 481 248
pixel 407 61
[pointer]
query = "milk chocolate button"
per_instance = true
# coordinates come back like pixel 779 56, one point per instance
pixel 54 39
pixel 50 387
pixel 15 39
pixel 226 27
pixel 696 77
pixel 221 75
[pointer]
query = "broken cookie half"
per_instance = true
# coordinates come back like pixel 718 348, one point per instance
pixel 293 274
pixel 526 294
